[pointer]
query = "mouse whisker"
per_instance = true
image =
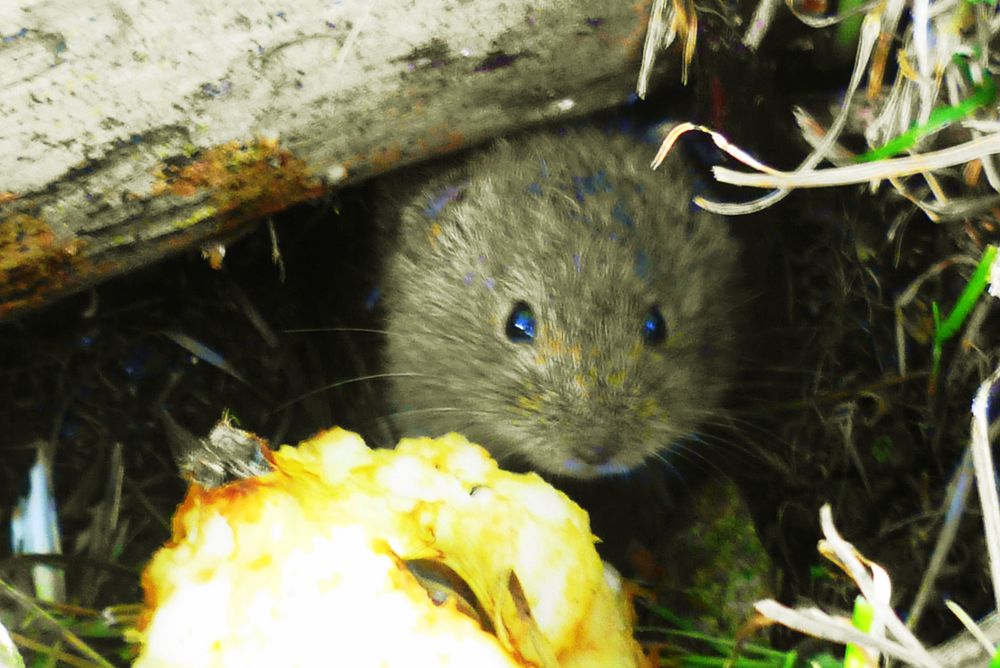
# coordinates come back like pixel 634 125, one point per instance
pixel 412 335
pixel 716 443
pixel 339 330
pixel 692 450
pixel 733 422
pixel 653 481
pixel 340 383
pixel 436 410
pixel 684 451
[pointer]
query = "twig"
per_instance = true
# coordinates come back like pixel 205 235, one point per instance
pixel 982 457
pixel 883 169
pixel 958 495
pixel 817 623
pixel 847 556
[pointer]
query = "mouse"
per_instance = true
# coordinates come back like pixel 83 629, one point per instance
pixel 553 298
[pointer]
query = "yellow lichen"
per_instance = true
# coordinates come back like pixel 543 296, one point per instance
pixel 257 177
pixel 31 254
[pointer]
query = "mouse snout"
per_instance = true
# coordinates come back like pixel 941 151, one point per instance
pixel 595 453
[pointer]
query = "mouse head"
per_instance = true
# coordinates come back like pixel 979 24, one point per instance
pixel 555 300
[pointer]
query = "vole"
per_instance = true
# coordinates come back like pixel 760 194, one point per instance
pixel 558 301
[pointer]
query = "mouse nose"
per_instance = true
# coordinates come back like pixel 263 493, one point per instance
pixel 595 453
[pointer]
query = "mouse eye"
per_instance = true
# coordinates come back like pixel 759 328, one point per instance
pixel 521 323
pixel 654 327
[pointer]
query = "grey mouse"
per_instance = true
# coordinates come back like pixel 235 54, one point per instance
pixel 559 302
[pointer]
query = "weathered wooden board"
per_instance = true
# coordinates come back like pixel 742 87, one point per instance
pixel 136 128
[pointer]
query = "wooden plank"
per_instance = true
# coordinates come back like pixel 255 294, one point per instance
pixel 133 129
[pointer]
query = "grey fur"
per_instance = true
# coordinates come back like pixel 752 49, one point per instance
pixel 587 396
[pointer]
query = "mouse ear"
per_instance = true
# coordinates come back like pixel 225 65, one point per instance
pixel 394 191
pixel 415 195
pixel 436 200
